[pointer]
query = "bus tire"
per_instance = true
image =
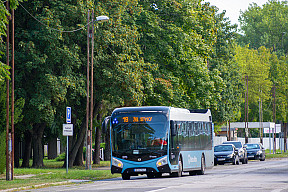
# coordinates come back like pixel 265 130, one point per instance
pixel 158 175
pixel 150 175
pixel 179 172
pixel 125 176
pixel 202 170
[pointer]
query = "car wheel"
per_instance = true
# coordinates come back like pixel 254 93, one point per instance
pixel 245 160
pixel 235 160
pixel 263 159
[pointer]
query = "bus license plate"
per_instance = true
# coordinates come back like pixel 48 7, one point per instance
pixel 139 170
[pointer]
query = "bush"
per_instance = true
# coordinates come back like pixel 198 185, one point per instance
pixel 61 157
pixel 2 152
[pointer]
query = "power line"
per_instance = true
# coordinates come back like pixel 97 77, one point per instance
pixel 51 27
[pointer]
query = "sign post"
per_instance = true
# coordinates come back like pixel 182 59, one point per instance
pixel 68 114
pixel 68 131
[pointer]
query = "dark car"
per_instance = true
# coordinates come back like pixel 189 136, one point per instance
pixel 226 153
pixel 255 151
pixel 242 152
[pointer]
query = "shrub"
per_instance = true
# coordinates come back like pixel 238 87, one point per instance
pixel 2 152
pixel 61 157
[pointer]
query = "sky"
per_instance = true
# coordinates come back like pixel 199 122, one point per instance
pixel 233 7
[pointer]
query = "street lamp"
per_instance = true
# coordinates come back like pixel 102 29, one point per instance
pixel 90 34
pixel 102 18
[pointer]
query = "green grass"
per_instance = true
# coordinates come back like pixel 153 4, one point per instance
pixel 53 174
pixel 277 155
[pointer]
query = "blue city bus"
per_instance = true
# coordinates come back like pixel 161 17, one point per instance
pixel 157 139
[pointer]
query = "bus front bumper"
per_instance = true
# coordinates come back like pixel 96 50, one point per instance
pixel 141 170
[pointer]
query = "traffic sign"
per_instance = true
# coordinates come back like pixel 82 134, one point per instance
pixel 67 129
pixel 68 114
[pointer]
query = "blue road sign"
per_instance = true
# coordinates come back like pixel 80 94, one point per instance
pixel 68 114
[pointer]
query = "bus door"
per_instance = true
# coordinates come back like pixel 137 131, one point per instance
pixel 174 143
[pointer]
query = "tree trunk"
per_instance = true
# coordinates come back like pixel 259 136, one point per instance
pixel 79 157
pixel 52 148
pixel 98 112
pixel 76 145
pixel 107 151
pixel 16 151
pixel 38 152
pixel 97 146
pixel 27 148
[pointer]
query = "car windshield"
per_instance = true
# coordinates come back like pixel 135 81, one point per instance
pixel 137 133
pixel 252 146
pixel 236 144
pixel 220 148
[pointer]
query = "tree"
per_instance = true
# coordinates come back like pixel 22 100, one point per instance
pixel 256 65
pixel 222 59
pixel 266 26
pixel 177 38
pixel 49 61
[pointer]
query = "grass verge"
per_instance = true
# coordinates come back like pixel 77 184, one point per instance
pixel 52 174
pixel 278 154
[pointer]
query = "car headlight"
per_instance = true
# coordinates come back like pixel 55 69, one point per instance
pixel 117 163
pixel 162 161
pixel 259 152
pixel 230 156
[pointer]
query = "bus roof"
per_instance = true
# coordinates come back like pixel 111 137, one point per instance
pixel 176 114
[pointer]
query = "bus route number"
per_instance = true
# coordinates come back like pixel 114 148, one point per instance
pixel 137 119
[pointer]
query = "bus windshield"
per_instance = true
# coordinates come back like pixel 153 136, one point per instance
pixel 136 134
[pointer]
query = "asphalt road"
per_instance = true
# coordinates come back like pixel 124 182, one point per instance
pixel 256 176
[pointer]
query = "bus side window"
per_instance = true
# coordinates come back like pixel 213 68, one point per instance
pixel 173 127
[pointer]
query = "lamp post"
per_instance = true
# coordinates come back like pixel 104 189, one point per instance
pixel 89 112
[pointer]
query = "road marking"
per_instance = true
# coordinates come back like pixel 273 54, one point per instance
pixel 279 190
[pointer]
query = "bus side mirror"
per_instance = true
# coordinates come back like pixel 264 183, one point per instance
pixel 105 124
pixel 173 129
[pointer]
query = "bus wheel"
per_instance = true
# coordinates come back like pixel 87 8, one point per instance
pixel 202 171
pixel 179 172
pixel 150 175
pixel 158 175
pixel 125 176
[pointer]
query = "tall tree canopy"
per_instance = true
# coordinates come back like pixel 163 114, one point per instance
pixel 266 26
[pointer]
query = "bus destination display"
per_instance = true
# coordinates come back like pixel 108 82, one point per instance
pixel 132 119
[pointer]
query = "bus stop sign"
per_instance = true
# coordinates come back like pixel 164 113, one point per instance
pixel 68 114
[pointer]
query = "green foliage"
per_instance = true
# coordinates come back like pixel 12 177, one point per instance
pixel 2 152
pixel 222 59
pixel 266 26
pixel 61 157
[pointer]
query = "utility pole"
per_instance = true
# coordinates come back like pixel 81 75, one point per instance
pixel 274 119
pixel 10 132
pixel 260 118
pixel 246 111
pixel 229 138
pixel 89 112
pixel 88 163
pixel 285 137
pixel 92 85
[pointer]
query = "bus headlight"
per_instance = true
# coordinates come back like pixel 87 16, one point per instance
pixel 117 163
pixel 162 161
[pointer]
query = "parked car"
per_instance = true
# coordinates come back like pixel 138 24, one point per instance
pixel 226 153
pixel 242 152
pixel 255 151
